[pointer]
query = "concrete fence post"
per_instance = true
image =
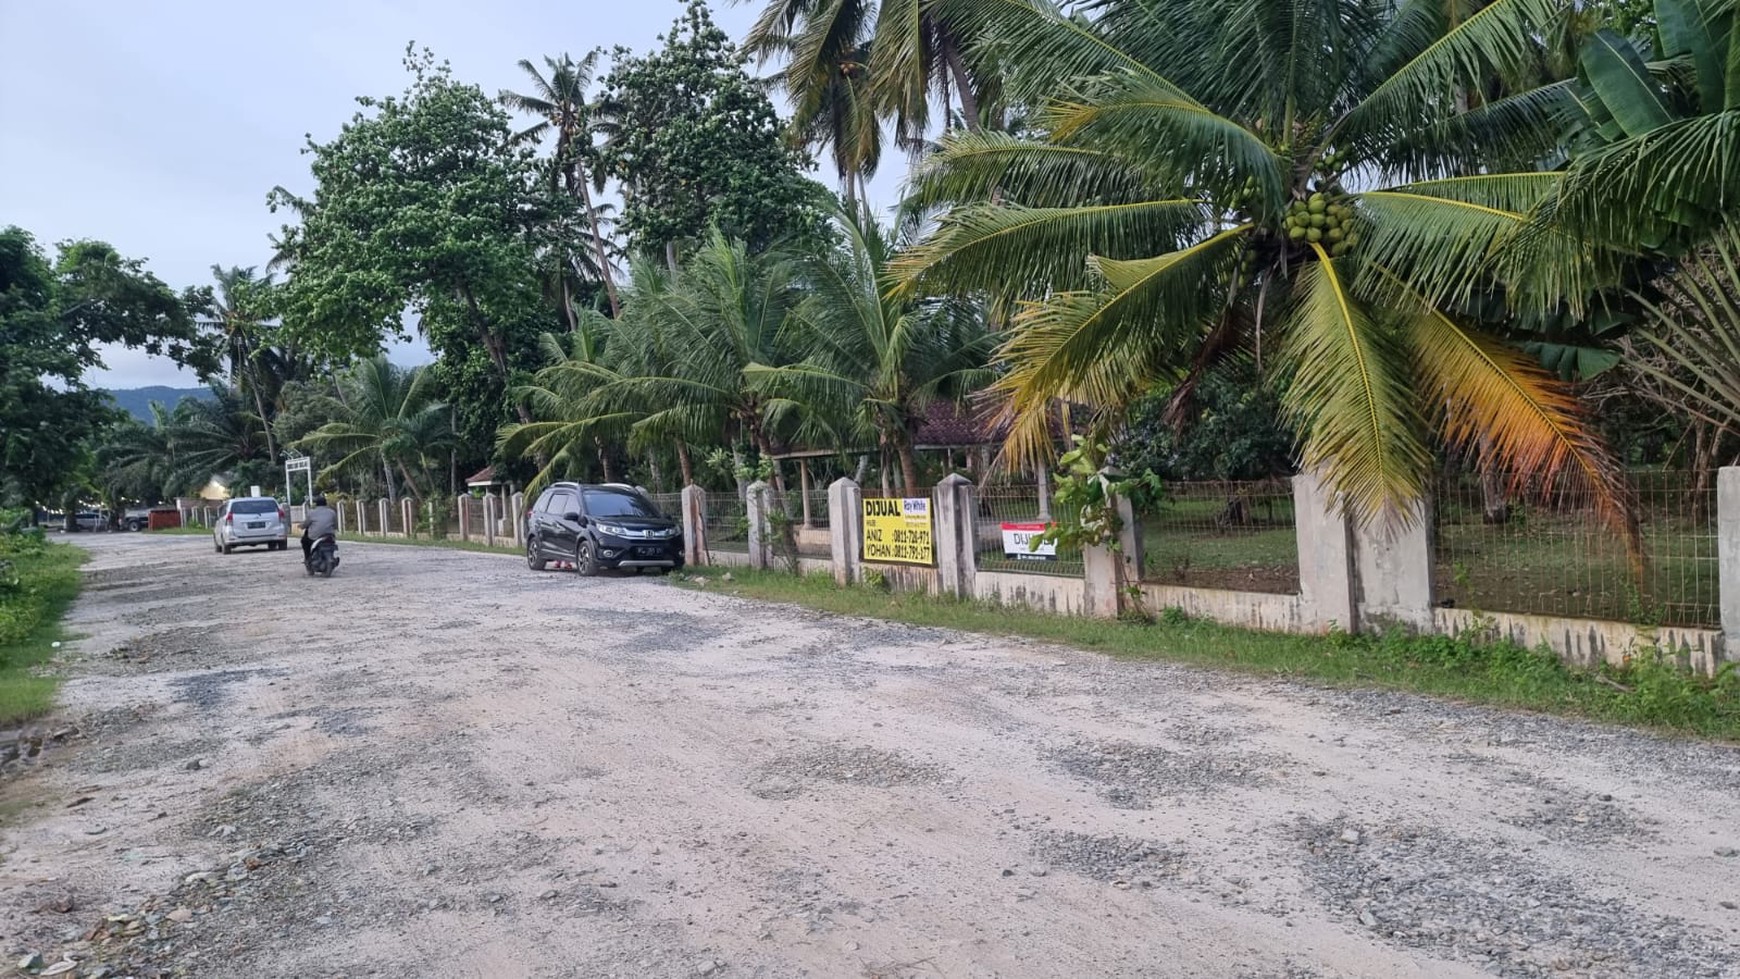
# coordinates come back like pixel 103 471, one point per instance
pixel 385 510
pixel 342 523
pixel 845 529
pixel 517 506
pixel 1326 581
pixel 694 526
pixel 1728 558
pixel 1107 573
pixel 464 509
pixel 760 537
pixel 955 535
pixel 1393 562
pixel 362 519
pixel 408 514
pixel 489 519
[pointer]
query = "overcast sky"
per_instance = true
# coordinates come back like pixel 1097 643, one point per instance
pixel 160 127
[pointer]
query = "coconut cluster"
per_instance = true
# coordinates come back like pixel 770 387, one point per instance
pixel 1322 219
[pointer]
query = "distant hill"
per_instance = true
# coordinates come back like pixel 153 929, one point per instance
pixel 137 401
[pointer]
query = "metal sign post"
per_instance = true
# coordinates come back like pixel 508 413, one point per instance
pixel 299 464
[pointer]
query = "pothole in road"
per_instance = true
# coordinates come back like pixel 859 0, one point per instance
pixel 1132 776
pixel 787 776
pixel 1483 901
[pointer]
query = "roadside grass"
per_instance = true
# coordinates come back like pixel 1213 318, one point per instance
pixel 1648 694
pixel 35 589
pixel 451 543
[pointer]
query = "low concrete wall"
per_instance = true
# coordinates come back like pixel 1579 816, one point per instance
pixel 727 559
pixel 1042 592
pixel 1246 609
pixel 1585 642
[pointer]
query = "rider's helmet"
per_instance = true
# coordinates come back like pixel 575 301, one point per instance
pixel 320 500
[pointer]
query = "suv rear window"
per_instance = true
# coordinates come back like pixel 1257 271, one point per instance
pixel 254 506
pixel 605 503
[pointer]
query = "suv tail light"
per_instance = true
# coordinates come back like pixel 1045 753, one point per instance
pixel 283 514
pixel 229 518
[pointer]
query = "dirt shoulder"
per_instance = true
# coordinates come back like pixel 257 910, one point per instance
pixel 443 764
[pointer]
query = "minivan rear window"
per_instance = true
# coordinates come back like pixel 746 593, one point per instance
pixel 254 506
pixel 604 503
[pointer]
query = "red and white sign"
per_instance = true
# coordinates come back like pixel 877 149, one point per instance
pixel 1018 543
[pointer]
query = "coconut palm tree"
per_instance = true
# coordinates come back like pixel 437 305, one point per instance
pixel 559 101
pixel 876 359
pixel 917 56
pixel 239 312
pixel 1329 183
pixel 387 419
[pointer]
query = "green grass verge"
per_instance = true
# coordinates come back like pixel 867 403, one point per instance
pixel 35 590
pixel 1648 694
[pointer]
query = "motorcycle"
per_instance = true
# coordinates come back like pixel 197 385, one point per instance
pixel 322 557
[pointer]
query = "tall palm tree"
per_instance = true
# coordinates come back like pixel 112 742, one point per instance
pixel 387 419
pixel 559 100
pixel 215 435
pixel 240 310
pixel 1300 179
pixel 877 359
pixel 918 55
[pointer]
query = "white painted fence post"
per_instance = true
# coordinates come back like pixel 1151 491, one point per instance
pixel 759 535
pixel 408 514
pixel 1326 582
pixel 386 523
pixel 1728 558
pixel 489 519
pixel 342 523
pixel 845 529
pixel 695 526
pixel 955 535
pixel 362 519
pixel 1393 559
pixel 517 507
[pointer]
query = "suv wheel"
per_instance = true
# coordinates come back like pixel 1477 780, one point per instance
pixel 533 560
pixel 585 562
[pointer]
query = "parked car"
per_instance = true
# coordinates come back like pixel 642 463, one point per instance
pixel 136 519
pixel 249 521
pixel 90 520
pixel 599 528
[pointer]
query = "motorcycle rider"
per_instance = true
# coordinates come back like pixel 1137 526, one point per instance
pixel 321 521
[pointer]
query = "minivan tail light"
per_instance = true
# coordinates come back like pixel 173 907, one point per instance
pixel 283 514
pixel 229 518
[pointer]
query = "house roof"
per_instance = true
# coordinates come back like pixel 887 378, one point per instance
pixel 483 477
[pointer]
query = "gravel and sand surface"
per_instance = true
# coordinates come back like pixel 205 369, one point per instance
pixel 443 764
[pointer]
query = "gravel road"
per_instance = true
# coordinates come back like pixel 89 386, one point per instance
pixel 443 764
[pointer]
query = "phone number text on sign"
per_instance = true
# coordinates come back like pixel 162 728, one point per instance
pixel 898 531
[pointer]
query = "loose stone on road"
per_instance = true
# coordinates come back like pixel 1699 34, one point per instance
pixel 440 763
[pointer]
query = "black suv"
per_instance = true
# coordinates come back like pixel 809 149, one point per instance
pixel 599 528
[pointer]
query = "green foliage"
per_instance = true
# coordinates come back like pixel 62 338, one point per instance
pixel 1087 495
pixel 1231 429
pixel 37 582
pixel 386 420
pixel 696 145
pixel 426 202
pixel 53 320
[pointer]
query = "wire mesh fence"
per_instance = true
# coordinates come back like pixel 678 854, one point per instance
pixel 809 520
pixel 1010 518
pixel 1236 535
pixel 669 504
pixel 727 524
pixel 1552 551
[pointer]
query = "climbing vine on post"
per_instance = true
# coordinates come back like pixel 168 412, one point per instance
pixel 1088 492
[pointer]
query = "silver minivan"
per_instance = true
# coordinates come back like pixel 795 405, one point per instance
pixel 251 520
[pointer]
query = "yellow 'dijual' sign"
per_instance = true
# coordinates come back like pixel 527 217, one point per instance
pixel 897 531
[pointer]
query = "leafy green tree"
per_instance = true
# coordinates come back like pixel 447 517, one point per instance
pixel 239 311
pixel 425 202
pixel 1228 428
pixel 53 320
pixel 1332 181
pixel 219 435
pixel 875 361
pixel 696 144
pixel 386 420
